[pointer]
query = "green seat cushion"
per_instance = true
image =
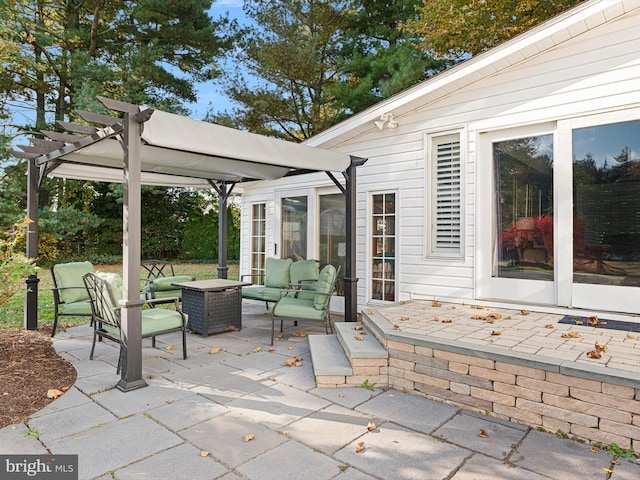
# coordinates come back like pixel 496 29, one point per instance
pixel 156 320
pixel 304 270
pixel 326 281
pixel 69 280
pixel 77 308
pixel 261 293
pixel 277 272
pixel 162 284
pixel 291 307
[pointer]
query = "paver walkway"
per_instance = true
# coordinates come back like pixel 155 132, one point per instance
pixel 192 419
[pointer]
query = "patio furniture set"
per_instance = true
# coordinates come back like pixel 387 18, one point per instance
pixel 299 291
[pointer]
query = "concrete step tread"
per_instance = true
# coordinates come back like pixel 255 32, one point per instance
pixel 327 356
pixel 368 347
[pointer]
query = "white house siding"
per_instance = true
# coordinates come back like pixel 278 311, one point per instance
pixel 594 72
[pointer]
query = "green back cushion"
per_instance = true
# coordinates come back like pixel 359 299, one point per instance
pixel 325 284
pixel 70 275
pixel 114 284
pixel 304 270
pixel 277 273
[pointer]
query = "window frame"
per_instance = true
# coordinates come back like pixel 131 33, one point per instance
pixel 432 250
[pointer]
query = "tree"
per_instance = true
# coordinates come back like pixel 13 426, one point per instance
pixel 458 28
pixel 286 66
pixel 379 57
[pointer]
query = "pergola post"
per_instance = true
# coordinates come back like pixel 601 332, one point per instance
pixel 223 189
pixel 31 294
pixel 131 313
pixel 350 279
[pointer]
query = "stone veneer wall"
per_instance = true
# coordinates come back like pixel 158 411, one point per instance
pixel 591 410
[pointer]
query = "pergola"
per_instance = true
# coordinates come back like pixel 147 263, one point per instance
pixel 146 146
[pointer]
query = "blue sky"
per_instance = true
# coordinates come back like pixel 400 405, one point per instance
pixel 209 95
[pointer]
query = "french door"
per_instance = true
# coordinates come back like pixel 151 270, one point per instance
pixel 559 214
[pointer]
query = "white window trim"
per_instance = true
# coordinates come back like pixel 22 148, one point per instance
pixel 369 250
pixel 431 253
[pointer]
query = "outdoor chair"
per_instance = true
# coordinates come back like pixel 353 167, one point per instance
pixel 158 279
pixel 105 290
pixel 70 296
pixel 307 304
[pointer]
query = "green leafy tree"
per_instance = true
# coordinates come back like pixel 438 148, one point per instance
pixel 458 28
pixel 14 265
pixel 379 58
pixel 286 66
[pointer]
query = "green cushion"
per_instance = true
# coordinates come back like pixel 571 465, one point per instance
pixel 77 308
pixel 291 307
pixel 114 283
pixel 156 320
pixel 325 283
pixel 304 270
pixel 162 284
pixel 277 273
pixel 261 293
pixel 69 280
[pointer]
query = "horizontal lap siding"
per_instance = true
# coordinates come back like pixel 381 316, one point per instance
pixel 595 71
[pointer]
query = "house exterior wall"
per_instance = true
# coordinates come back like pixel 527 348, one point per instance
pixel 596 72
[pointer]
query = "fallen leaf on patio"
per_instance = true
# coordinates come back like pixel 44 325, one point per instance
pixel 475 317
pixel 358 327
pixel 359 338
pixel 436 304
pixel 631 336
pixel 615 462
pixel 524 312
pixel 508 317
pixel 231 328
pixel 497 316
pixel 298 364
pixel 396 327
pixel 601 349
pixel 214 350
pixel 371 426
pixel 402 302
pixel 204 453
pixel 273 379
pixel 289 348
pixel 579 322
pixel 608 470
pixel 360 447
pixel 594 354
pixel 490 320
pixel 169 347
pixel 369 312
pixel 594 450
pixel 341 395
pixel 548 325
pixel 290 362
pixel 480 307
pixel 271 349
pixel 299 334
pixel 447 320
pixel 248 437
pixel 483 433
pixel 283 432
pixel 436 319
pixel 594 321
pixel 257 349
pixel 571 335
pixel 404 319
pixel 54 393
pixel 494 333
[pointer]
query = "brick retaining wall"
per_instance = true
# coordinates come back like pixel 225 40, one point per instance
pixel 596 405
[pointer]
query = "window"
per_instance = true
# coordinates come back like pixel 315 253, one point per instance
pixel 258 241
pixel 444 184
pixel 333 246
pixel 294 228
pixel 383 274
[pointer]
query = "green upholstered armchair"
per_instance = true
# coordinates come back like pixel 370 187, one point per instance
pixel 105 291
pixel 307 305
pixel 277 276
pixel 158 279
pixel 69 293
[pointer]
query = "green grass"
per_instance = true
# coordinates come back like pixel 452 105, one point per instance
pixel 12 316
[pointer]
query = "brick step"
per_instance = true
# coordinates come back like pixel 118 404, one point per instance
pixel 359 344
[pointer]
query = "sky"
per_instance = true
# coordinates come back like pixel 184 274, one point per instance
pixel 209 95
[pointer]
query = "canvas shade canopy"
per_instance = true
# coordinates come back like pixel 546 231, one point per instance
pixel 159 148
